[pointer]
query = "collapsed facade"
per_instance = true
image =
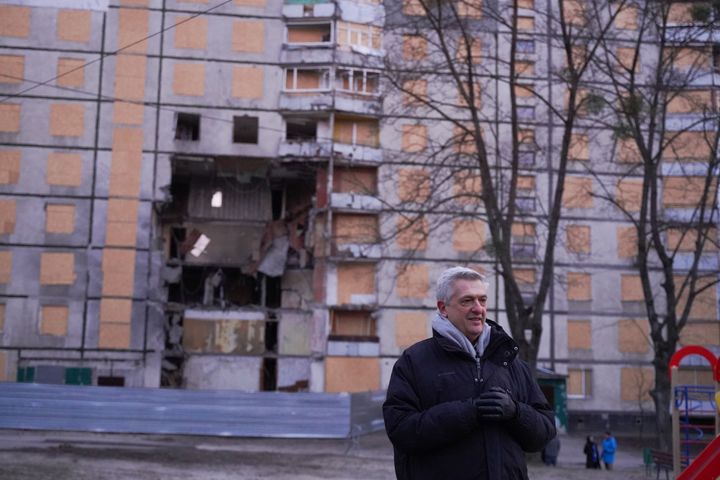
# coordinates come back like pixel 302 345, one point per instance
pixel 202 196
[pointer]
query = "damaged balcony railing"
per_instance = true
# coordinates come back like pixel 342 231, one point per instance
pixel 189 412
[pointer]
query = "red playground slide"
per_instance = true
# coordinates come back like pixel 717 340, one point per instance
pixel 706 465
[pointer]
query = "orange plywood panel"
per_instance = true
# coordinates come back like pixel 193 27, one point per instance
pixel 577 238
pixel 9 117
pixel 579 286
pixel 10 166
pixel 74 25
pixel 688 146
pixel 248 82
pixel 684 239
pixel 57 268
pixel 413 281
pixel 579 147
pixel 410 328
pixel 67 119
pixel 686 191
pixel 130 71
pixel 704 306
pixel 114 336
pixel 250 3
pixel 627 18
pixel 631 288
pixel 352 374
pixel 579 334
pixel 696 333
pixel 412 233
pixel 470 9
pixel 351 228
pixel 628 151
pixel 525 23
pixel 360 180
pixel 60 218
pixel 633 336
pixel 627 242
pixel 413 7
pixel 118 266
pixel 467 187
pixel 64 169
pixel 636 383
pixel 133 29
pixel 414 138
pixel 415 91
pixel 54 320
pixel 115 310
pixel 690 101
pixel 414 47
pixel 191 32
pixel 5 266
pixel 413 184
pixel 7 216
pixel 12 68
pixel 125 113
pixel 121 226
pixel 70 72
pixel 126 164
pixel 525 276
pixel 14 21
pixel 578 192
pixel 189 79
pixel 468 235
pixel 354 279
pixel 248 36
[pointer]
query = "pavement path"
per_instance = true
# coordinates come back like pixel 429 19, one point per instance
pixel 44 455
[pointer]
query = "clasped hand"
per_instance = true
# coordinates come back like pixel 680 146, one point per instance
pixel 495 404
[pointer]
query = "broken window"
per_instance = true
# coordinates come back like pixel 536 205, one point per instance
pixel 301 129
pixel 309 33
pixel 269 375
pixel 307 79
pixel 363 82
pixel 353 326
pixel 109 381
pixel 245 129
pixel 187 126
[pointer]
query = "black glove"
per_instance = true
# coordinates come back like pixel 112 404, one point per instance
pixel 495 404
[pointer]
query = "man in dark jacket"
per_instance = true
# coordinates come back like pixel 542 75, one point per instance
pixel 462 405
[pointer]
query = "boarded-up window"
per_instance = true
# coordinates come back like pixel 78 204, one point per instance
pixel 121 226
pixel 410 327
pixel 578 192
pixel 116 335
pixel 191 32
pixel 57 268
pixel 5 266
pixel 60 218
pixel 74 25
pixel 12 68
pixel 415 92
pixel 627 61
pixel 574 12
pixel 636 383
pixel 54 320
pixel 689 58
pixel 686 191
pixel 10 166
pixel 412 233
pixel 579 383
pixel 413 7
pixel 631 288
pixel 248 36
pixel 9 117
pixel 627 151
pixel 414 138
pixel 70 72
pixel 705 305
pixel 64 169
pixel 354 228
pixel 684 240
pixel 413 184
pixel 355 282
pixel 7 216
pixel 627 242
pixel 468 235
pixel 14 21
pixel 465 139
pixel 688 146
pixel 352 374
pixel 2 317
pixel 579 147
pixel 476 93
pixel 352 325
pixel 707 334
pixel 525 90
pixel 67 119
pixel 626 19
pixel 467 187
pixel 355 180
pixel 118 267
pixel 133 29
pixel 414 47
pixel 319 33
pixel 525 68
pixel 579 334
pixel 525 23
pixel 690 101
pixel 474 50
pixel 248 82
pixel 116 310
pixel 130 72
pixel 633 336
pixel 189 79
pixel 529 4
pixel 357 131
pixel 629 194
pixel 579 287
pixel 578 238
pixel 413 281
pixel 681 12
pixel 470 8
pixel 525 276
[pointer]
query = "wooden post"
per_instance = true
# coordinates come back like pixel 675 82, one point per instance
pixel 675 422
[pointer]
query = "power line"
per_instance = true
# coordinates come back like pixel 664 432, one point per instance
pixel 125 47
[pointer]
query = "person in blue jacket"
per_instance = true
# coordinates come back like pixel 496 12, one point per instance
pixel 462 404
pixel 609 445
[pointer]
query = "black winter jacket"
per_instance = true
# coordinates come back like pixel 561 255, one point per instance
pixel 434 427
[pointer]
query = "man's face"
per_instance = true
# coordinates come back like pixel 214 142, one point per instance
pixel 467 307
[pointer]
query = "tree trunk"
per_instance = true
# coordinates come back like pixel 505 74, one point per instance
pixel 662 396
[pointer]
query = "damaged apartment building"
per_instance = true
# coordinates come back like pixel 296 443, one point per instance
pixel 209 194
pixel 172 204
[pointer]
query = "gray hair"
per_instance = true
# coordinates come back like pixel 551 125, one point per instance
pixel 445 284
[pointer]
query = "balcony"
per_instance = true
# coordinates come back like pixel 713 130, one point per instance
pixel 359 153
pixel 303 149
pixel 308 9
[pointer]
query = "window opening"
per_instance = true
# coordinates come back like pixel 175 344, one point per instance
pixel 363 82
pixel 245 129
pixel 187 127
pixel 307 79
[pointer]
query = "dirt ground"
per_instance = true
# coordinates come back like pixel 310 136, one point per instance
pixel 43 455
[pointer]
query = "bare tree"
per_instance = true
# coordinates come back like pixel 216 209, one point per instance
pixel 466 103
pixel 659 105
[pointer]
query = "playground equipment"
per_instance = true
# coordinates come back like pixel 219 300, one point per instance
pixel 696 441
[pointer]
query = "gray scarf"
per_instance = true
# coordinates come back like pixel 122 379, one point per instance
pixel 446 329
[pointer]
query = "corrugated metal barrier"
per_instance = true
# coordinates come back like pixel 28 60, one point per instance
pixel 189 412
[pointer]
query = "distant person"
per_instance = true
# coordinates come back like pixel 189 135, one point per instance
pixel 609 445
pixel 592 457
pixel 462 404
pixel 551 451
